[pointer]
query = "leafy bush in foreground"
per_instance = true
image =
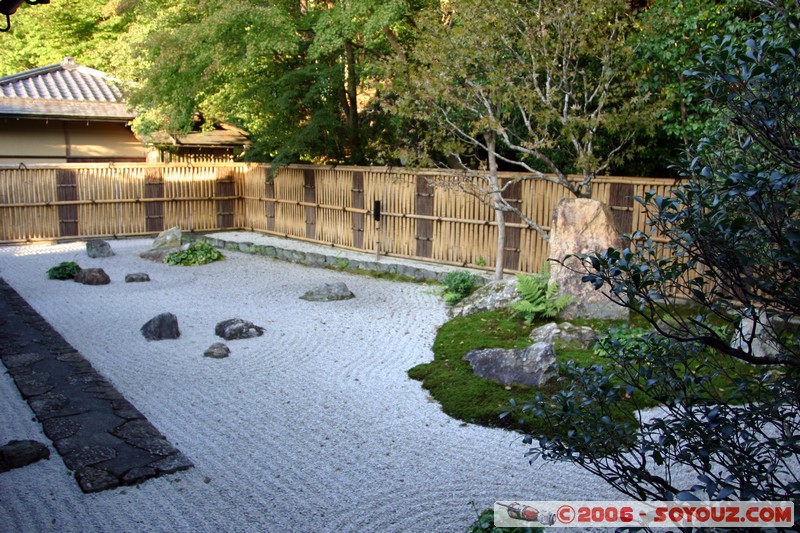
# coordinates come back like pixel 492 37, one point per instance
pixel 733 230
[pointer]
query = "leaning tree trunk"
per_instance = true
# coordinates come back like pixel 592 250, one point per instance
pixel 497 203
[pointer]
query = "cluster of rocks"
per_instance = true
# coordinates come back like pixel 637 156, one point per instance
pixel 165 326
pixel 97 276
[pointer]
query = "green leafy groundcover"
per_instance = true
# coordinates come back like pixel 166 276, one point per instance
pixel 199 253
pixel 65 270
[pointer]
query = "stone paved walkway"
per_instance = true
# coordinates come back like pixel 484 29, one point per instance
pixel 101 436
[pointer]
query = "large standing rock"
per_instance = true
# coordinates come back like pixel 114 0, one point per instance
pixel 92 276
pixel 582 226
pixel 494 295
pixel 98 248
pixel 328 293
pixel 236 328
pixel 169 238
pixel 167 242
pixel 163 326
pixel 531 366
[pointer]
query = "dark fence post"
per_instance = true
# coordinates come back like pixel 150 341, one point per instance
pixel 225 189
pixel 621 203
pixel 423 205
pixel 270 207
pixel 357 202
pixel 67 191
pixel 310 197
pixel 511 252
pixel 154 211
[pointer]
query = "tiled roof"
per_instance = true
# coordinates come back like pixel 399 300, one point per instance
pixel 63 90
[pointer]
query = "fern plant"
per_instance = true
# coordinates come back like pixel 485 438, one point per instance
pixel 539 298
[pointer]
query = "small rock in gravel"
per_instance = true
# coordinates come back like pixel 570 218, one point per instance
pixel 136 277
pixel 217 350
pixel 98 248
pixel 236 328
pixel 19 453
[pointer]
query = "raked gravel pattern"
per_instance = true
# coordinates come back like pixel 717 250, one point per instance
pixel 314 426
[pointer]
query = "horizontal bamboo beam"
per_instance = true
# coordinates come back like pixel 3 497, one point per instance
pixel 57 203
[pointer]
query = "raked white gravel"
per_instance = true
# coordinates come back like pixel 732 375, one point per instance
pixel 313 427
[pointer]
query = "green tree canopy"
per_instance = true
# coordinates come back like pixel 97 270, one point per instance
pixel 551 80
pixel 301 77
pixel 669 37
pixel 45 34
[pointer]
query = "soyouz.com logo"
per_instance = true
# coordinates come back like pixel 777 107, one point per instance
pixel 643 514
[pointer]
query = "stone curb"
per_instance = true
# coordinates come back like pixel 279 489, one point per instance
pixel 319 260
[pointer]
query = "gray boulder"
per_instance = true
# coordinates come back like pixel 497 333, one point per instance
pixel 98 248
pixel 157 256
pixel 328 293
pixel 236 328
pixel 163 326
pixel 494 295
pixel 217 350
pixel 532 366
pixel 92 276
pixel 565 336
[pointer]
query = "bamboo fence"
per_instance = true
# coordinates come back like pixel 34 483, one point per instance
pixel 330 205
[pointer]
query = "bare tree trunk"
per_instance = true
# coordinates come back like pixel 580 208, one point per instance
pixel 352 99
pixel 497 203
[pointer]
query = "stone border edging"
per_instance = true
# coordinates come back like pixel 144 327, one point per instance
pixel 318 260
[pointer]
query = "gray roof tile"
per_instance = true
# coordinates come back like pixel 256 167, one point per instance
pixel 63 90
